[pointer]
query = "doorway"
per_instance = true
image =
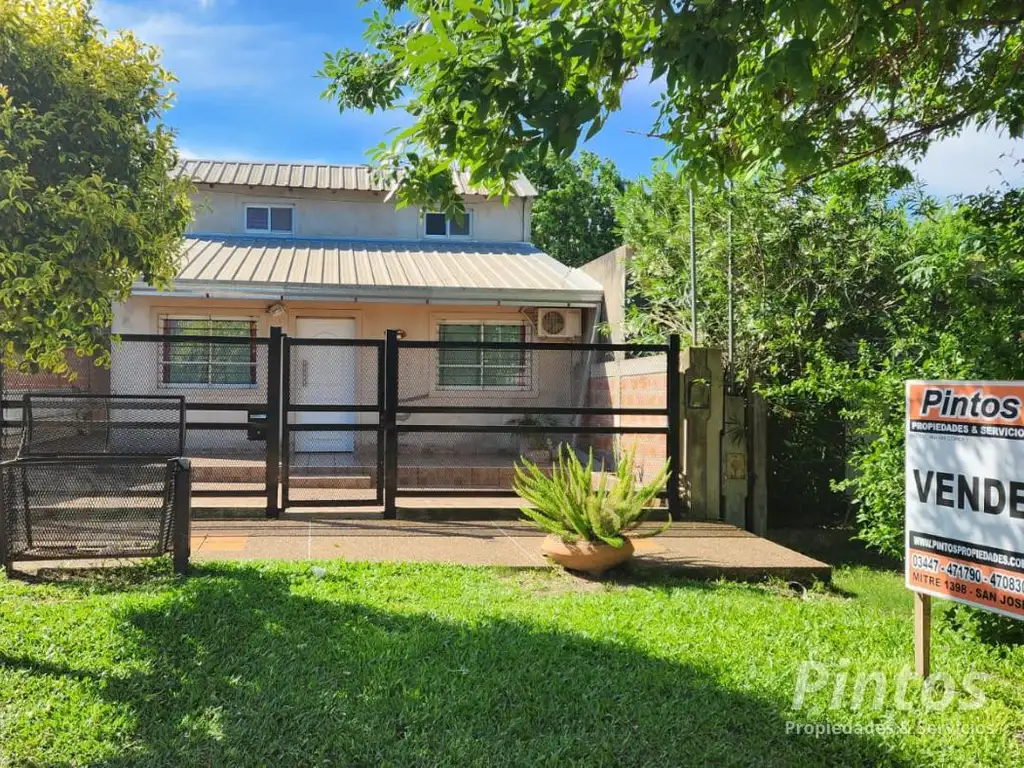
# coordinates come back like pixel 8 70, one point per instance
pixel 325 375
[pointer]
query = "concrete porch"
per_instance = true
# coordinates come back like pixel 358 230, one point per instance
pixel 696 549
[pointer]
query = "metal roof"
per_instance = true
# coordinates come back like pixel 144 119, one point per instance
pixel 312 176
pixel 379 269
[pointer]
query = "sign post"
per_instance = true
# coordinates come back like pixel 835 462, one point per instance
pixel 965 499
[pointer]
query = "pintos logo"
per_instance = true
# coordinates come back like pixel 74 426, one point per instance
pixel 947 402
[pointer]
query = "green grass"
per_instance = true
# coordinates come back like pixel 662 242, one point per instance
pixel 282 664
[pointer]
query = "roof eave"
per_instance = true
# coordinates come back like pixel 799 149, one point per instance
pixel 375 294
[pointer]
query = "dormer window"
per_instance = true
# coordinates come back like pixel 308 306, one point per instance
pixel 269 219
pixel 437 224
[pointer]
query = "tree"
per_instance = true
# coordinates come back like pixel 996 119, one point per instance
pixel 842 292
pixel 956 312
pixel 749 85
pixel 87 203
pixel 816 270
pixel 574 214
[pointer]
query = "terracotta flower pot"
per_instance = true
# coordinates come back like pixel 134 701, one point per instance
pixel 587 556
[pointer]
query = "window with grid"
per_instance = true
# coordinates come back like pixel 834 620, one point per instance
pixel 437 224
pixel 484 368
pixel 202 363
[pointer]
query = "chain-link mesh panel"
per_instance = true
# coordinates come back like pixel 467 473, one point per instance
pixel 333 384
pixel 76 424
pixel 454 433
pixel 339 372
pixel 468 460
pixel 324 380
pixel 451 375
pixel 219 377
pixel 88 507
pixel 345 477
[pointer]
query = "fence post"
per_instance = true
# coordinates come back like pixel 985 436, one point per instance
pixel 3 411
pixel 390 423
pixel 757 464
pixel 5 554
pixel 181 515
pixel 284 474
pixel 382 393
pixel 675 416
pixel 273 422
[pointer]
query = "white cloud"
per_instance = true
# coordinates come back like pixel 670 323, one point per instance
pixel 205 152
pixel 972 162
pixel 206 55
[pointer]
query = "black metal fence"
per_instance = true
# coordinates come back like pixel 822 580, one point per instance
pixel 96 476
pixel 340 422
pixel 450 404
pixel 225 382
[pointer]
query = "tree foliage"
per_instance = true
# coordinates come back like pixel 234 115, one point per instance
pixel 574 214
pixel 87 204
pixel 957 312
pixel 842 292
pixel 813 268
pixel 749 85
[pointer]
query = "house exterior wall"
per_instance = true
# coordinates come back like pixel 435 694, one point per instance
pixel 361 215
pixel 558 377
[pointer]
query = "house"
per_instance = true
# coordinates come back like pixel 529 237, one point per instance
pixel 323 252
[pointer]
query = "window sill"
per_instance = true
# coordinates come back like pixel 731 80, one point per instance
pixel 523 391
pixel 162 385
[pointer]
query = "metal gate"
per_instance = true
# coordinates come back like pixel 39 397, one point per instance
pixel 365 422
pixel 460 414
pixel 332 400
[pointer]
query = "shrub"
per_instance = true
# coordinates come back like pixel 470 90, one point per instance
pixel 569 504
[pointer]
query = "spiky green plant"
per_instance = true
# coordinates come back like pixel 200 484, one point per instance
pixel 568 503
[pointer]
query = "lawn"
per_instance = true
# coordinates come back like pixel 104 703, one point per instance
pixel 355 664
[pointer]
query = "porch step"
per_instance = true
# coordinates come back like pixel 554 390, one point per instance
pixel 360 477
pixel 206 488
pixel 309 477
pixel 335 481
pixel 215 490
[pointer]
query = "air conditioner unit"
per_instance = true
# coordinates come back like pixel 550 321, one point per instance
pixel 558 323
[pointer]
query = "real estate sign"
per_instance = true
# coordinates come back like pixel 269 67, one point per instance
pixel 965 492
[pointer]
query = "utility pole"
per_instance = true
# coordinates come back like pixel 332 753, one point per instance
pixel 693 267
pixel 728 255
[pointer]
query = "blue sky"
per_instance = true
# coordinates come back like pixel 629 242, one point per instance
pixel 247 91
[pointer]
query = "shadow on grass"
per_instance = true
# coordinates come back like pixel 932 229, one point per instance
pixel 258 667
pixel 836 546
pixel 983 626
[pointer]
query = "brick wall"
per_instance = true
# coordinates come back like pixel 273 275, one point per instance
pixel 14 384
pixel 636 383
pixel 89 378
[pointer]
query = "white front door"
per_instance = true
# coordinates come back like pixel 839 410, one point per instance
pixel 324 375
